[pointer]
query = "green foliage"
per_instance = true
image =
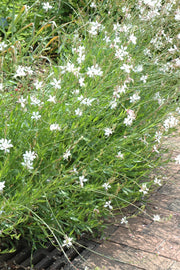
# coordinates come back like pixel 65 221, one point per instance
pixel 75 148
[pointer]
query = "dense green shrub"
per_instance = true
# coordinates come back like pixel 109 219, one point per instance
pixel 80 134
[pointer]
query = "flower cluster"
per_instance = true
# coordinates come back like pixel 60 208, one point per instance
pixel 81 54
pixel 29 157
pixel 22 71
pixel 94 70
pixel 170 122
pixel 70 67
pixel 54 127
pixel 94 28
pixel 47 6
pixel 5 145
pixel 130 118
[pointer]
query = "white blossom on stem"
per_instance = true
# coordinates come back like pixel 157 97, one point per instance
pixel 5 145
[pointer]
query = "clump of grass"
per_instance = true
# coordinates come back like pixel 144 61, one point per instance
pixel 79 136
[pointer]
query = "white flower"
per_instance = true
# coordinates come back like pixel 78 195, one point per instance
pixel 120 155
pixel 67 241
pixel 177 15
pixel 116 41
pixel 52 99
pixel 159 99
pixel 144 189
pixel 147 52
pixel 93 5
pixel 116 94
pixel 121 52
pixel 106 186
pixel 126 68
pixel 131 116
pixel 113 104
pixel 108 131
pixel 143 78
pixel 82 180
pixel 107 39
pixel 173 49
pixel 20 72
pixel 166 67
pixel 5 145
pixel 81 58
pixel 38 85
pixel 156 218
pixel 87 101
pixel 94 70
pixel 1 86
pixel 178 110
pixel 75 92
pixel 2 185
pixel 124 220
pixel 94 28
pixel 36 116
pixel 70 68
pixel 66 155
pixel 132 38
pixel 124 9
pixel 177 159
pixel 80 98
pixel 158 136
pixel 116 27
pixel 55 127
pixel 81 54
pixel 157 96
pixel 22 101
pixel 168 39
pixel 155 149
pixel 157 181
pixel 138 68
pixel 108 204
pixel 128 121
pixel 35 101
pixel 121 89
pixel 177 62
pixel 3 45
pixel 170 122
pixel 75 170
pixel 135 97
pixel 81 81
pixel 78 112
pixel 152 3
pixel 56 83
pixel 29 157
pixel 47 6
